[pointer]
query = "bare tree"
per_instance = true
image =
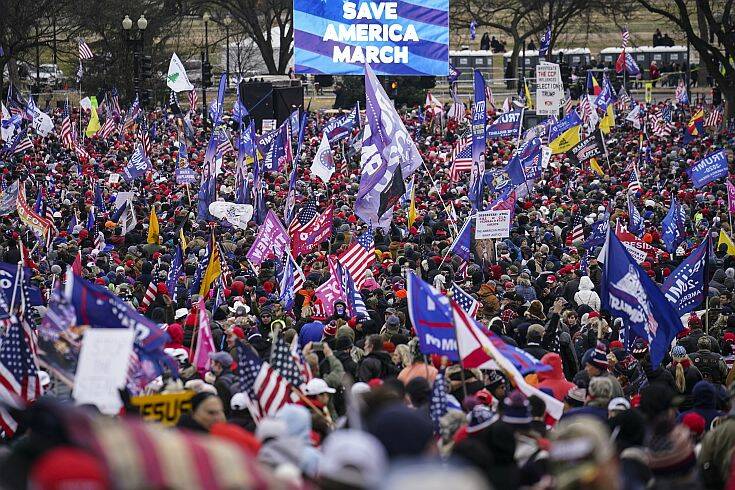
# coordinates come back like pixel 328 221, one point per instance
pixel 259 19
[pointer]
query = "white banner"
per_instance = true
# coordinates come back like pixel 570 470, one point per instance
pixel 176 79
pixel 237 215
pixel 103 367
pixel 493 224
pixel 549 89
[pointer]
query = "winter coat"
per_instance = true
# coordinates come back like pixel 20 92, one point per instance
pixel 715 456
pixel 586 294
pixel 554 379
pixel 704 398
pixel 376 365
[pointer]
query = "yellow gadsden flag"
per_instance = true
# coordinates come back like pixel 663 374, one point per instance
pixel 565 141
pixel 724 238
pixel 412 207
pixel 608 120
pixel 153 227
pixel 214 268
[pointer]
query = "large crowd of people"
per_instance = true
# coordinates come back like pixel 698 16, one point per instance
pixel 362 416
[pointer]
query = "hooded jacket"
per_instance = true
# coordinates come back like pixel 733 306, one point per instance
pixel 586 294
pixel 704 398
pixel 554 379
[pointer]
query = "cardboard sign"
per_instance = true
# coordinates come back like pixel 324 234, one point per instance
pixel 549 89
pixel 103 367
pixel 114 178
pixel 268 125
pixel 185 175
pixel 493 224
pixel 165 409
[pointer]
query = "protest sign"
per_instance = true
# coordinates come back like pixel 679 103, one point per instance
pixel 549 89
pixel 493 224
pixel 166 409
pixel 185 175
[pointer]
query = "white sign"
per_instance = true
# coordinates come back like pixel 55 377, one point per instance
pixel 549 89
pixel 268 125
pixel 493 224
pixel 237 215
pixel 103 367
pixel 114 178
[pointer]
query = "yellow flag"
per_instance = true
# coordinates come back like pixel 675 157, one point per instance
pixel 412 207
pixel 214 268
pixel 94 123
pixel 529 100
pixel 565 141
pixel 153 226
pixel 596 167
pixel 724 238
pixel 182 239
pixel 608 120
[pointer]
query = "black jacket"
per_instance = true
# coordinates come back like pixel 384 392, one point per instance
pixel 376 365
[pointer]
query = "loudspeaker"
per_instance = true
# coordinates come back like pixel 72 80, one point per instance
pixel 258 98
pixel 286 100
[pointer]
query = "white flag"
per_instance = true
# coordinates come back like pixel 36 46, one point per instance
pixel 176 78
pixel 128 218
pixel 323 165
pixel 6 133
pixel 634 116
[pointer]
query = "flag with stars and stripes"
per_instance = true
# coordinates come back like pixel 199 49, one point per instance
pixel 283 362
pixel 84 52
pixel 578 229
pixel 438 404
pixel 464 300
pixel 145 137
pixel 193 100
pixel 19 381
pixel 300 360
pixel 354 298
pixel 713 118
pixel 359 256
pixel 634 185
pixel 66 126
pixel 461 157
pixel 625 37
pixel 268 389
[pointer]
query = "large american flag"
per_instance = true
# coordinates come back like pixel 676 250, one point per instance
pixel 66 126
pixel 265 387
pixel 18 371
pixel 193 100
pixel 84 52
pixel 577 228
pixel 713 118
pixel 461 157
pixel 304 219
pixel 626 37
pixel 145 138
pixel 359 256
pixel 287 364
pixel 586 109
pixel 23 143
pixel 464 300
pixel 107 128
pixel 660 126
pixel 634 185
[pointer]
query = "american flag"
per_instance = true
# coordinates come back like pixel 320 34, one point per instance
pixel 107 128
pixel 438 404
pixel 304 219
pixel 115 101
pixel 659 125
pixel 23 143
pixel 300 360
pixel 359 256
pixel 623 102
pixel 461 157
pixel 224 145
pixel 79 150
pixel 193 100
pixel 626 37
pixel 586 109
pixel 354 298
pixel 577 228
pixel 568 105
pixel 264 385
pixel 18 371
pixel 145 138
pixel 713 118
pixel 84 52
pixel 464 300
pixel 284 362
pixel 634 185
pixel 151 291
pixel 66 126
pixel 225 267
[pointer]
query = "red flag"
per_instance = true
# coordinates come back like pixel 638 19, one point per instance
pixel 76 267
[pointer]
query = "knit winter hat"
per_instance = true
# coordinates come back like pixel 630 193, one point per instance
pixel 479 418
pixel 672 454
pixel 678 352
pixel 516 409
pixel 599 357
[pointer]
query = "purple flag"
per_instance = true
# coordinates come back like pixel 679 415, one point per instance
pixel 272 239
pixel 386 145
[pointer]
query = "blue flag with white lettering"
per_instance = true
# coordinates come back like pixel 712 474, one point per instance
pixel 635 224
pixel 461 245
pixel 138 165
pixel 431 316
pixel 629 293
pixel 686 287
pixel 708 169
pixel 506 125
pixel 598 234
pixel 673 226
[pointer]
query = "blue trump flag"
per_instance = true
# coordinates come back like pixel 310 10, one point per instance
pixel 526 162
pixel 461 245
pixel 635 224
pixel 686 287
pixel 628 292
pixel 8 274
pixel 177 269
pixel 598 234
pixel 431 316
pixel 217 108
pixel 506 125
pixel 708 169
pixel 454 74
pixel 673 226
pixel 341 127
pixel 138 165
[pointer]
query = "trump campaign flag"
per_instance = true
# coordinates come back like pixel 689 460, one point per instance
pixel 730 196
pixel 341 127
pixel 708 169
pixel 431 316
pixel 506 125
pixel 629 293
pixel 388 156
pixel 686 287
pixel 673 226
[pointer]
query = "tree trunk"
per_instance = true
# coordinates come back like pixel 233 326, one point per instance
pixel 517 47
pixel 704 34
pixel 728 95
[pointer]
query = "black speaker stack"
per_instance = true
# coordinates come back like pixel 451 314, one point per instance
pixel 271 99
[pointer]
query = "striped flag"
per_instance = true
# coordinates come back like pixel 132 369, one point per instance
pixel 354 298
pixel 285 364
pixel 358 257
pixel 300 360
pixel 626 37
pixel 107 128
pixel 193 100
pixel 464 300
pixel 84 52
pixel 145 137
pixel 151 291
pixel 306 217
pixel 461 157
pixel 265 387
pixel 66 137
pixel 713 118
pixel 19 381
pixel 22 144
pixel 634 185
pixel 578 229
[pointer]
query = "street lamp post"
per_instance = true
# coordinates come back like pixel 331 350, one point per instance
pixel 205 18
pixel 227 22
pixel 134 39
